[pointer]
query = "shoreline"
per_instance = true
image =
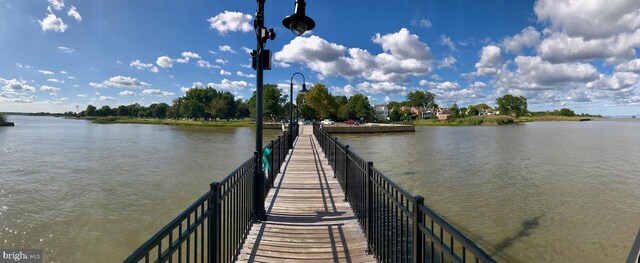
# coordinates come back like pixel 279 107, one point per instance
pixel 496 120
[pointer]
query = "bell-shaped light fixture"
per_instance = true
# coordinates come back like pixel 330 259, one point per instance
pixel 299 22
pixel 304 88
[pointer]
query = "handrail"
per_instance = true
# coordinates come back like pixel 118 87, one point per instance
pixel 214 228
pixel 634 254
pixel 398 226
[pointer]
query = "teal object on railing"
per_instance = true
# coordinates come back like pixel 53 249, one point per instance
pixel 266 166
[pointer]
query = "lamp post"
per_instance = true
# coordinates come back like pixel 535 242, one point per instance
pixel 304 90
pixel 298 23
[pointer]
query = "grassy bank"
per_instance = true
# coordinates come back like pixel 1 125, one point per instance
pixel 554 118
pixel 469 121
pixel 230 123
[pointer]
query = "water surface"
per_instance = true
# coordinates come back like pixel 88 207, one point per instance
pixel 538 192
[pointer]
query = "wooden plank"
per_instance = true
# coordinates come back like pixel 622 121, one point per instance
pixel 308 221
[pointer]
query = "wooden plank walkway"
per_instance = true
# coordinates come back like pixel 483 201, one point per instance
pixel 308 221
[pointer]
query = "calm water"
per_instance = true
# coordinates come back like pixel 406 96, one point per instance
pixel 93 193
pixel 539 192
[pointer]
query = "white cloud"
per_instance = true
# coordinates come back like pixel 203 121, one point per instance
pixel 446 41
pixel 226 48
pixel 447 62
pixel 228 21
pixel 164 62
pixel 591 19
pixel 205 64
pixel 52 23
pixel 55 80
pixel 533 73
pixel 559 47
pixel 404 56
pixel 157 93
pixel 386 99
pixel 53 94
pixel 66 49
pixel 107 98
pixel 221 61
pixel 403 45
pixel 242 74
pixel 423 22
pixel 447 85
pixel 120 82
pixel 74 13
pixel 527 38
pixel 620 81
pixel 49 88
pixel 127 93
pixel 629 66
pixel 225 73
pixel 56 4
pixel 490 61
pixel 71 77
pixel 186 56
pixel 14 85
pixel 226 84
pixel 82 95
pixel 247 50
pixel 46 72
pixel 142 66
pixel 63 72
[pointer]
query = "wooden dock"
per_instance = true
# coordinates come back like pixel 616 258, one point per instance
pixel 308 221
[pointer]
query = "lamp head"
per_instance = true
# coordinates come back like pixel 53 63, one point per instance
pixel 304 88
pixel 299 22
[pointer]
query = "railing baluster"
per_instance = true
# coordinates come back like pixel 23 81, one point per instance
pixel 417 233
pixel 214 226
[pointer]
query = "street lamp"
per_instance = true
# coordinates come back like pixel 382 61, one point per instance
pixel 261 60
pixel 299 22
pixel 304 90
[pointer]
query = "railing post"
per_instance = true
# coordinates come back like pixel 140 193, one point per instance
pixel 335 155
pixel 272 173
pixel 346 172
pixel 213 240
pixel 369 206
pixel 416 244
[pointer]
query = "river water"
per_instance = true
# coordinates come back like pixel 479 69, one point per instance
pixel 539 192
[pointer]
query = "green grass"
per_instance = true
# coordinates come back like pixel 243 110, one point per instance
pixel 468 121
pixel 553 118
pixel 222 123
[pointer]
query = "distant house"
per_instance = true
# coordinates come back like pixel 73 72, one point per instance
pixel 443 114
pixel 419 112
pixel 382 112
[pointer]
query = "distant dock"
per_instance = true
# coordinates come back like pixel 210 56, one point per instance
pixel 368 128
pixel 7 124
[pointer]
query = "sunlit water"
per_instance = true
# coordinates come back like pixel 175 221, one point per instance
pixel 538 192
pixel 87 192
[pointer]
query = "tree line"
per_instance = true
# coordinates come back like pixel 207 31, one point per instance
pixel 209 104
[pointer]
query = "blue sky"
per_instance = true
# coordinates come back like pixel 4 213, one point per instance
pixel 57 55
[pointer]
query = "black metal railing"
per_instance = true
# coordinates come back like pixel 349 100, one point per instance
pixel 398 226
pixel 634 255
pixel 214 228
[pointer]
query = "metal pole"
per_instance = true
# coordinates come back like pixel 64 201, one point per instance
pixel 291 115
pixel 259 210
pixel 417 247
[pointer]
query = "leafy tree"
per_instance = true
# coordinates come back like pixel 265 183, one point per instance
pixel 340 100
pixel 91 110
pixel 455 112
pixel 407 115
pixel 104 111
pixel 394 114
pixel 321 102
pixel 122 110
pixel 3 117
pixel 463 112
pixel 191 109
pixel 567 112
pixel 511 105
pixel 357 107
pixel 473 110
pixel 158 110
pixel 420 98
pixel 272 104
pixel 306 112
pixel 393 105
pixel 242 109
